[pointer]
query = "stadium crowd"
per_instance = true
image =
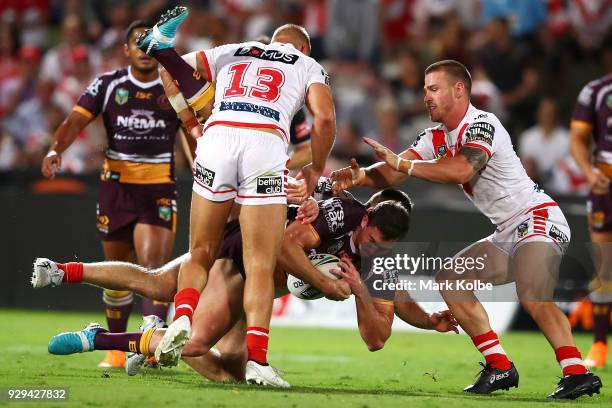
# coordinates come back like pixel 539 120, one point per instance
pixel 529 59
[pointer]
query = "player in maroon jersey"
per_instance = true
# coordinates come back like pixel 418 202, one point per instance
pixel 136 210
pixel 592 124
pixel 343 227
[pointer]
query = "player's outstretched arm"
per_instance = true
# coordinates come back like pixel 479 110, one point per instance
pixel 413 314
pixel 458 169
pixel 64 136
pixel 321 105
pixel 378 175
pixel 293 260
pixel 374 316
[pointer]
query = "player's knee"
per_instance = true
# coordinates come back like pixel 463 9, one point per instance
pixel 203 254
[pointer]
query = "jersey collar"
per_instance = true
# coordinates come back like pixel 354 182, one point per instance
pixel 142 84
pixel 455 132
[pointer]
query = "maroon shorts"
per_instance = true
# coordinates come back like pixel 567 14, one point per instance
pixel 231 247
pixel 121 206
pixel 600 212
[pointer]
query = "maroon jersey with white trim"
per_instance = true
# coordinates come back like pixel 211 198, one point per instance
pixel 140 127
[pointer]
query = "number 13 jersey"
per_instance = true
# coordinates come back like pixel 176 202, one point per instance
pixel 260 85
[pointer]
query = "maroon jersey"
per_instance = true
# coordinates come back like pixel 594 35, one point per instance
pixel 594 109
pixel 333 227
pixel 140 125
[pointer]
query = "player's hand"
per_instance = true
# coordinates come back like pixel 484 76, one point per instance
pixel 308 211
pixel 600 184
pixel 349 274
pixel 50 164
pixel 336 289
pixel 444 321
pixel 384 154
pixel 296 190
pixel 347 177
pixel 311 178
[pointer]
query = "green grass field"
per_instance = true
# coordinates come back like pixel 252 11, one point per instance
pixel 326 368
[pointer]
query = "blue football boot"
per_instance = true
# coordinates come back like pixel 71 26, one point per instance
pixel 163 32
pixel 75 342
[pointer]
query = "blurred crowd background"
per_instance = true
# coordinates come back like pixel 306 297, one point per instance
pixel 528 58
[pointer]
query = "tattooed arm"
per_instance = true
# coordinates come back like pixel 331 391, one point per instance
pixel 456 170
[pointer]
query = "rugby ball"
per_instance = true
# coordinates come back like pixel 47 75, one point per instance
pixel 303 290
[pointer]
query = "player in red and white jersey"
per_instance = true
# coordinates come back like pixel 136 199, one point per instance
pixel 471 148
pixel 242 157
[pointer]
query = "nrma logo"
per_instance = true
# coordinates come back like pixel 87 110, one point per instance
pixel 140 122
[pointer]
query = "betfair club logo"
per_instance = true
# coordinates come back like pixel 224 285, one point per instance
pixel 121 96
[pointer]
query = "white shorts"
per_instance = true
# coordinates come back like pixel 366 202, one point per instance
pixel 544 222
pixel 247 165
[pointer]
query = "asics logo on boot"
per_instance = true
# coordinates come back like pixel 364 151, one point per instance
pixel 498 377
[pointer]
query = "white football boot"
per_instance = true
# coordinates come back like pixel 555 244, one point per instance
pixel 264 375
pixel 133 361
pixel 169 350
pixel 45 272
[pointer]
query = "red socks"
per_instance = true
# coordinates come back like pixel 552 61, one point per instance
pixel 257 344
pixel 494 354
pixel 73 272
pixel 570 360
pixel 185 303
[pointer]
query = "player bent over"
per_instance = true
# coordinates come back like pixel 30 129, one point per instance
pixel 242 158
pixel 471 148
pixel 383 224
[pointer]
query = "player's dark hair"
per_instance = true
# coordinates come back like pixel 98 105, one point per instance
pixel 391 218
pixel 134 25
pixel 454 69
pixel 393 195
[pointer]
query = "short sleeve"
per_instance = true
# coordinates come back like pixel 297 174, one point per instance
pixel 316 75
pixel 337 216
pixel 584 111
pixel 300 128
pixel 480 134
pixel 422 147
pixel 91 102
